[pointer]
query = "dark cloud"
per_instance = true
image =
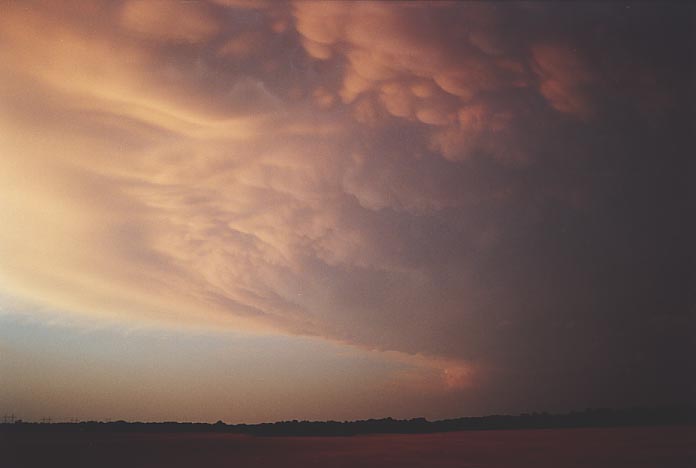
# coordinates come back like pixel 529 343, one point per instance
pixel 501 186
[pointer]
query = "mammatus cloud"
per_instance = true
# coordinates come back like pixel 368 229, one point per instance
pixel 564 79
pixel 407 61
pixel 406 177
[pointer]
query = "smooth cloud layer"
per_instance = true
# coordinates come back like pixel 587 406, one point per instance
pixel 409 177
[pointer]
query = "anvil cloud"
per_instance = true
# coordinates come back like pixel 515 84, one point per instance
pixel 497 189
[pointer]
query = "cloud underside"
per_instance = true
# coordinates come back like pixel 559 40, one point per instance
pixel 396 176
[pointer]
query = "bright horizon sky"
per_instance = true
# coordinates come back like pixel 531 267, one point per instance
pixel 254 211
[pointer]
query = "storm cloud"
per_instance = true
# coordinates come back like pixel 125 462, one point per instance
pixel 502 190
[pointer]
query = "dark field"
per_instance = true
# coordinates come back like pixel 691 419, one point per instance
pixel 659 447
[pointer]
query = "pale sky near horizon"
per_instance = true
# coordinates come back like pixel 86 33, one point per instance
pixel 252 211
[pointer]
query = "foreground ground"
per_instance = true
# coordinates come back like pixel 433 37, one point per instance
pixel 659 447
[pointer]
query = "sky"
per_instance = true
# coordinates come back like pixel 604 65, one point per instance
pixel 256 211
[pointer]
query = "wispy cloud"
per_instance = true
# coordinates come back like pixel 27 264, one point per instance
pixel 388 175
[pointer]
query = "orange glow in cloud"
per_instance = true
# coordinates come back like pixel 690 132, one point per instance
pixel 342 170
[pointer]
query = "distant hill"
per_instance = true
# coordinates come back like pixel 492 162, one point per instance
pixel 575 419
